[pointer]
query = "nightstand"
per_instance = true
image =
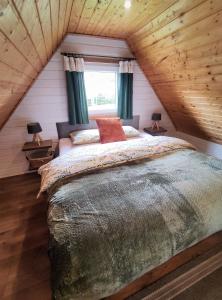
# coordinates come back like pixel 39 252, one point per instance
pixel 38 155
pixel 155 132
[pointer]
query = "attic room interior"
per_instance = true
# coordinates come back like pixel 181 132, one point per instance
pixel 111 149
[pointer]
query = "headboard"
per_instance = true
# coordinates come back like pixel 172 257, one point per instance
pixel 64 128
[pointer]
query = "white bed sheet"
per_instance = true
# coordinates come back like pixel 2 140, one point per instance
pixel 66 144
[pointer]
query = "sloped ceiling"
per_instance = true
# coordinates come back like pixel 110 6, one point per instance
pixel 177 43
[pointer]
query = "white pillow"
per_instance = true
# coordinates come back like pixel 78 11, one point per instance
pixel 130 131
pixel 90 136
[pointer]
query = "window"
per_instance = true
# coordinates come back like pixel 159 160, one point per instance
pixel 101 89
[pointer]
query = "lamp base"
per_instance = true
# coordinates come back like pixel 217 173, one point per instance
pixel 37 138
pixel 155 125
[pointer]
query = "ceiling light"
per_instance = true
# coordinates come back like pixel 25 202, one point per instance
pixel 127 4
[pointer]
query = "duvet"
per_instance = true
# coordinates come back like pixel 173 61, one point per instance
pixel 120 210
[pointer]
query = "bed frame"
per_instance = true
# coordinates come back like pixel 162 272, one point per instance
pixel 201 248
pixel 64 128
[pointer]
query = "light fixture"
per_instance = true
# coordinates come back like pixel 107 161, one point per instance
pixel 35 128
pixel 127 4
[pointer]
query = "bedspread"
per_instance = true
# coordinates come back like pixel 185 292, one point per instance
pixel 95 157
pixel 109 227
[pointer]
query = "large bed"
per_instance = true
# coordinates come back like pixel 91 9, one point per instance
pixel 120 210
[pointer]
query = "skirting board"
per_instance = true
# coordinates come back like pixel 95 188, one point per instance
pixel 182 282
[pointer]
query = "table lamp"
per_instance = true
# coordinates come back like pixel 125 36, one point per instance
pixel 156 117
pixel 35 128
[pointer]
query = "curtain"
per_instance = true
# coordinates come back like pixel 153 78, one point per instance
pixel 77 103
pixel 125 90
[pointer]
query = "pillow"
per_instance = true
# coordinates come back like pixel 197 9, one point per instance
pixel 110 130
pixel 130 131
pixel 88 136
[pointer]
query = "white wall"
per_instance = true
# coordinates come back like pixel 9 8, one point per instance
pixel 46 101
pixel 202 145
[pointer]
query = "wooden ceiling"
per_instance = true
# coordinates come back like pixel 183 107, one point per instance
pixel 178 44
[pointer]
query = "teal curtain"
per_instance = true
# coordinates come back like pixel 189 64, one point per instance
pixel 77 103
pixel 125 90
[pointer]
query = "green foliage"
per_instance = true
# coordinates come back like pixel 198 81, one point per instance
pixel 100 100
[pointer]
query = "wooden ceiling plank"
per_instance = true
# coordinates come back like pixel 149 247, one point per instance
pixel 188 126
pixel 62 11
pixel 147 13
pixel 43 9
pixel 183 73
pixel 164 58
pixel 179 53
pixel 97 16
pixel 41 62
pixel 54 4
pixel 9 74
pixel 11 56
pixel 7 105
pixel 14 28
pixel 67 15
pixel 208 127
pixel 29 15
pixel 204 122
pixel 77 8
pixel 174 11
pixel 64 19
pixel 203 108
pixel 86 14
pixel 113 11
pixel 124 17
pixel 204 97
pixel 174 37
pixel 139 15
pixel 7 88
pixel 200 12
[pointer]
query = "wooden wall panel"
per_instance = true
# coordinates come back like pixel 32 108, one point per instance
pixel 13 28
pixel 29 16
pixel 54 6
pixel 62 13
pixel 44 12
pixel 182 58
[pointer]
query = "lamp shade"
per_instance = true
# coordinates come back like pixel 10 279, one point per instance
pixel 34 128
pixel 156 117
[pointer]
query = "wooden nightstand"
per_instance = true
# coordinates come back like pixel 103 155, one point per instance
pixel 155 132
pixel 38 155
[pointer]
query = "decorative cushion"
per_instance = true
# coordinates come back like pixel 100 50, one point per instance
pixel 110 130
pixel 88 136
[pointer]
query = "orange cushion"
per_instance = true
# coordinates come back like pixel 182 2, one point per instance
pixel 110 130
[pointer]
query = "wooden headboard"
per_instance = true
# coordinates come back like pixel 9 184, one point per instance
pixel 64 128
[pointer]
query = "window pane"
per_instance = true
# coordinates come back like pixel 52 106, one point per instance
pixel 100 88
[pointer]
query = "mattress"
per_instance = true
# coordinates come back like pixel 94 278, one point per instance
pixel 65 144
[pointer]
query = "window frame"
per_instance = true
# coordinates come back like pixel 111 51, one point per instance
pixel 103 68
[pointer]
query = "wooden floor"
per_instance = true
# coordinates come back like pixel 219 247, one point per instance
pixel 24 264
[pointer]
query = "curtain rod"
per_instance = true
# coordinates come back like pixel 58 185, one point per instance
pixel 96 56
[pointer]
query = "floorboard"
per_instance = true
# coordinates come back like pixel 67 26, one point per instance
pixel 24 263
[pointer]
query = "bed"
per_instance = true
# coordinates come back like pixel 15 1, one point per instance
pixel 122 213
